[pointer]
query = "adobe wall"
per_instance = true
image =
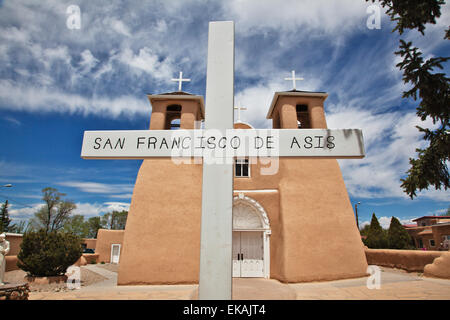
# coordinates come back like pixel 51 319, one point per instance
pixel 320 239
pixel 162 234
pixel 409 260
pixel 439 232
pixel 87 258
pixel 440 268
pixel 11 263
pixel 90 243
pixel 105 238
pixel 14 248
pixel 14 243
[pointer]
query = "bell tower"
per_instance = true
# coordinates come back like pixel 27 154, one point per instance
pixel 320 239
pixel 162 235
pixel 298 109
pixel 187 108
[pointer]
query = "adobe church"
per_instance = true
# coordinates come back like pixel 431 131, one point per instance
pixel 295 225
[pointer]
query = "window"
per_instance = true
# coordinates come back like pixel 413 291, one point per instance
pixel 302 116
pixel 241 168
pixel 175 124
pixel 173 116
pixel 174 108
pixel 420 243
pixel 432 244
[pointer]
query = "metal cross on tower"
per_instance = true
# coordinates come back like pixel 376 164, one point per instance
pixel 180 80
pixel 239 108
pixel 294 79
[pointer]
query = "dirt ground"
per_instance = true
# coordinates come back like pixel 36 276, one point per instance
pixel 87 278
pixel 109 266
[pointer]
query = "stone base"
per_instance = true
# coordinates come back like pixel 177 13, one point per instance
pixel 14 291
pixel 46 280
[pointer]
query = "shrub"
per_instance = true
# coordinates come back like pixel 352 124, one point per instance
pixel 398 237
pixel 45 254
pixel 376 236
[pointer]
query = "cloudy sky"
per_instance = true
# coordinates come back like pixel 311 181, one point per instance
pixel 57 80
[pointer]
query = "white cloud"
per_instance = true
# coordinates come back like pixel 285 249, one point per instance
pixel 122 196
pixel 25 212
pixel 332 16
pixel 390 140
pixel 28 98
pixel 88 61
pixel 95 187
pixel 116 206
pixel 146 60
pixel 385 222
pixel 120 27
pixel 436 212
pixel 83 208
pixel 12 120
pixel 96 209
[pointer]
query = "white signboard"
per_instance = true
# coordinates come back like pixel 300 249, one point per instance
pixel 139 144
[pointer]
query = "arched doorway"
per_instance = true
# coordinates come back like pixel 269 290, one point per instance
pixel 251 245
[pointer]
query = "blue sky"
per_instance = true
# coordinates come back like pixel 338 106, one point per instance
pixel 57 82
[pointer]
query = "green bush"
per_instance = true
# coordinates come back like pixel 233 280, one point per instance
pixel 398 237
pixel 376 235
pixel 45 254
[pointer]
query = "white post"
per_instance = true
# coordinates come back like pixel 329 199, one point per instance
pixel 217 190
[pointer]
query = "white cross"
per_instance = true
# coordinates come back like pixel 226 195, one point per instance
pixel 180 80
pixel 239 108
pixel 215 280
pixel 293 79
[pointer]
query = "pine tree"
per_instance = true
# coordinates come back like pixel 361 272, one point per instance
pixel 431 88
pixel 376 237
pixel 4 218
pixel 398 238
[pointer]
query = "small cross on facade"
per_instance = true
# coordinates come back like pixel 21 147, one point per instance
pixel 293 79
pixel 239 108
pixel 180 80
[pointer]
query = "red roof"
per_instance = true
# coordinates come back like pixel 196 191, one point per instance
pixel 432 217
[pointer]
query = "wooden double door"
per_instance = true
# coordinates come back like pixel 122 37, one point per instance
pixel 248 254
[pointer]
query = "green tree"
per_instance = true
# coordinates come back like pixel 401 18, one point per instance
pixel 398 237
pixel 77 225
pixel 432 90
pixel 376 236
pixel 44 254
pixel 115 220
pixel 4 219
pixel 446 213
pixel 21 227
pixel 54 214
pixel 365 230
pixel 94 224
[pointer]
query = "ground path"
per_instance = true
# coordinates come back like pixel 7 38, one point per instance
pixel 395 284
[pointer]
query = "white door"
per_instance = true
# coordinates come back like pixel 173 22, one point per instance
pixel 115 253
pixel 248 254
pixel 236 254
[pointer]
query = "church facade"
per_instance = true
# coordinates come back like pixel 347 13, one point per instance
pixel 292 217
